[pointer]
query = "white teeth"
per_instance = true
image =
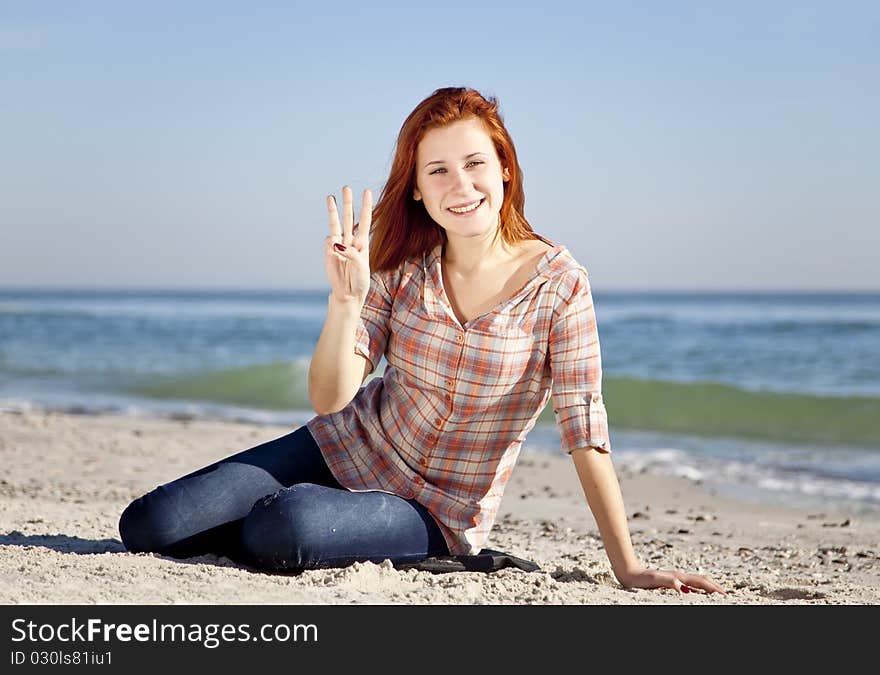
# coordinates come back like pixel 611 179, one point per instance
pixel 467 208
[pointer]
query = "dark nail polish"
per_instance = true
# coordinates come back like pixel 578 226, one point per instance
pixel 339 247
pixel 685 589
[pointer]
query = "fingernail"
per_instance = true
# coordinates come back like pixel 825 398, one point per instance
pixel 339 247
pixel 685 589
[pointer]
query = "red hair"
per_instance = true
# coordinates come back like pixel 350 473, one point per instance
pixel 401 226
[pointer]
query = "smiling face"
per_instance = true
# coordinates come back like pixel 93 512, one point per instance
pixel 457 168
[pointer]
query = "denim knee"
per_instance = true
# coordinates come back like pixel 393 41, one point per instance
pixel 283 532
pixel 144 525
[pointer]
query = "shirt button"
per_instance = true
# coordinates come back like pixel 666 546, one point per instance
pixel 459 337
pixel 448 383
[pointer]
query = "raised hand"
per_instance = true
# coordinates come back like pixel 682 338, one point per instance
pixel 347 254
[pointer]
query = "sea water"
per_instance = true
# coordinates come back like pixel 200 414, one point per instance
pixel 776 393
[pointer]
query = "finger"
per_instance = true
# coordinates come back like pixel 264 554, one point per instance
pixel 674 579
pixel 698 582
pixel 342 253
pixel 705 584
pixel 366 220
pixel 345 252
pixel 347 215
pixel 333 214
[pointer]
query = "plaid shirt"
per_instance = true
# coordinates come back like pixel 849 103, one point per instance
pixel 445 423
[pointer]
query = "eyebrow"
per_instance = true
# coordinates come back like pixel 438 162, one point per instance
pixel 440 161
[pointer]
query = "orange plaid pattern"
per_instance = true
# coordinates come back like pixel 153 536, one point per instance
pixel 445 423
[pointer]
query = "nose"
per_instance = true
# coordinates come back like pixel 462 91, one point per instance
pixel 461 179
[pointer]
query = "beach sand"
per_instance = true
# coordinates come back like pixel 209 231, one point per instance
pixel 67 478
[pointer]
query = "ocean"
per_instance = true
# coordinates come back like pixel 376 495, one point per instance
pixel 774 396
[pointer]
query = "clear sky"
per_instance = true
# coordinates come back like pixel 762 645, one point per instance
pixel 669 145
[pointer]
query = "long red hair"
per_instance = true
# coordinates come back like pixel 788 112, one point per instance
pixel 401 226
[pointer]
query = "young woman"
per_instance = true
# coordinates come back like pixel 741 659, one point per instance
pixel 480 320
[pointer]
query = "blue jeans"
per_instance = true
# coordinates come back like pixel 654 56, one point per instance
pixel 277 506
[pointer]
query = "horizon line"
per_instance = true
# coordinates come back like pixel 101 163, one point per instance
pixel 313 289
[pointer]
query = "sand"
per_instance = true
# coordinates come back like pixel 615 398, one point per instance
pixel 66 479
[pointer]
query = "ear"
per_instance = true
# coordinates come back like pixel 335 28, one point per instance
pixel 505 175
pixel 416 194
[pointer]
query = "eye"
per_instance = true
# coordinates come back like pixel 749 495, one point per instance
pixel 473 161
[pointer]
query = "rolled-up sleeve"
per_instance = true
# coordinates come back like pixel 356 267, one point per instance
pixel 576 367
pixel 371 337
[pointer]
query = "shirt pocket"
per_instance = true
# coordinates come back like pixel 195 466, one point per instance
pixel 507 355
pixel 414 348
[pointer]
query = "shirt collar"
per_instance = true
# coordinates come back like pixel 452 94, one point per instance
pixel 554 260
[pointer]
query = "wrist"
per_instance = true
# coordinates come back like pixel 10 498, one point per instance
pixel 349 303
pixel 626 574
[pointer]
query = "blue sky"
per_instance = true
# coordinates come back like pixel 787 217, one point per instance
pixel 676 145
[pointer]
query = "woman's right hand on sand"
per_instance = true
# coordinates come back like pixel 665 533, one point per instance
pixel 349 269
